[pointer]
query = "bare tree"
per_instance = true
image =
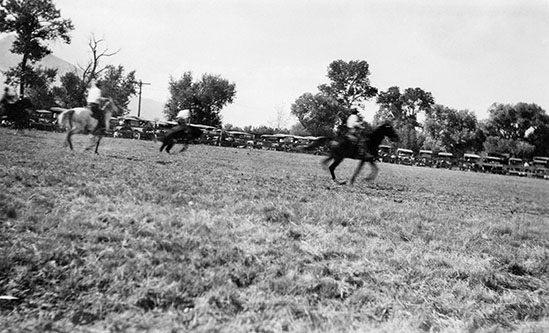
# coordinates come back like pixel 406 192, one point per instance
pixel 281 118
pixel 93 69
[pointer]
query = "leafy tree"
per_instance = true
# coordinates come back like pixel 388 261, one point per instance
pixel 231 127
pixel 34 22
pixel 262 130
pixel 205 98
pixel 517 148
pixel 349 85
pixel 71 93
pixel 115 83
pixel 514 123
pixel 40 88
pixel 403 108
pixel 452 130
pixel 539 138
pixel 298 129
pixel 317 113
pixel 118 85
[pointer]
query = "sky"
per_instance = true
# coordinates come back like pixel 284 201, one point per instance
pixel 469 53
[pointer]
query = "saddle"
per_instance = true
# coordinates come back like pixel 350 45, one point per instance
pixel 358 143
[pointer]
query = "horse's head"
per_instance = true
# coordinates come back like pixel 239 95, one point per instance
pixel 110 110
pixel 389 131
pixel 110 107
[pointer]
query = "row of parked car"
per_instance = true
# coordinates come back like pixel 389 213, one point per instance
pixel 141 129
pixel 501 164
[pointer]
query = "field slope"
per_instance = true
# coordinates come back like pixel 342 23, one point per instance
pixel 232 240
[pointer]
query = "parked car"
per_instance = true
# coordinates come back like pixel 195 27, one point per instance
pixel 515 167
pixel 492 164
pixel 134 128
pixel 386 154
pixel 44 120
pixel 540 167
pixel 241 139
pixel 405 156
pixel 444 160
pixel 425 158
pixel 470 162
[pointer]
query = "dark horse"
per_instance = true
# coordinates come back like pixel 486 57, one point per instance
pixel 342 147
pixel 185 134
pixel 18 112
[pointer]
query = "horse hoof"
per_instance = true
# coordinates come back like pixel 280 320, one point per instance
pixel 341 183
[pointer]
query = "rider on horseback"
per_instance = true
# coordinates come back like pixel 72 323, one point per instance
pixel 95 100
pixel 354 127
pixel 183 118
pixel 9 97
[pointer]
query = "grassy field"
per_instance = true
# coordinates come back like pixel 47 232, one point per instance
pixel 231 240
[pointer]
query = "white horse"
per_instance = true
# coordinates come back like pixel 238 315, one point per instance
pixel 80 120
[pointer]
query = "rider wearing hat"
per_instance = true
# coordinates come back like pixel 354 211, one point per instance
pixel 354 127
pixel 95 100
pixel 182 118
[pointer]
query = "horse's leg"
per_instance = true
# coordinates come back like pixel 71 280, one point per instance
pixel 374 171
pixel 185 146
pixel 326 160
pixel 68 139
pixel 333 166
pixel 357 171
pixel 170 145
pixel 97 144
pixel 93 142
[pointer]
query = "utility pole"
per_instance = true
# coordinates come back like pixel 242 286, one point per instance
pixel 140 83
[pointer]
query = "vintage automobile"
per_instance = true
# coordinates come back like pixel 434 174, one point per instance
pixel 385 154
pixel 134 128
pixel 405 156
pixel 492 164
pixel 425 158
pixel 470 162
pixel 45 120
pixel 241 139
pixel 539 167
pixel 444 160
pixel 515 167
pixel 279 142
pixel 218 137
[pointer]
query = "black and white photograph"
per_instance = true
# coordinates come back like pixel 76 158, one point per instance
pixel 274 166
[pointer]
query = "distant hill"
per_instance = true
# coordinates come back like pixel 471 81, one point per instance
pixel 9 59
pixel 150 109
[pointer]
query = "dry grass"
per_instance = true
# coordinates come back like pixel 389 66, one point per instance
pixel 220 239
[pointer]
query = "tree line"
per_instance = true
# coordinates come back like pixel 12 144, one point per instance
pixel 520 130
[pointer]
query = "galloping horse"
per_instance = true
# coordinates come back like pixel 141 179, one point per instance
pixel 80 120
pixel 17 112
pixel 183 133
pixel 341 148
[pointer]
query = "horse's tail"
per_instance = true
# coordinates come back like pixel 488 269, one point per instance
pixel 65 119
